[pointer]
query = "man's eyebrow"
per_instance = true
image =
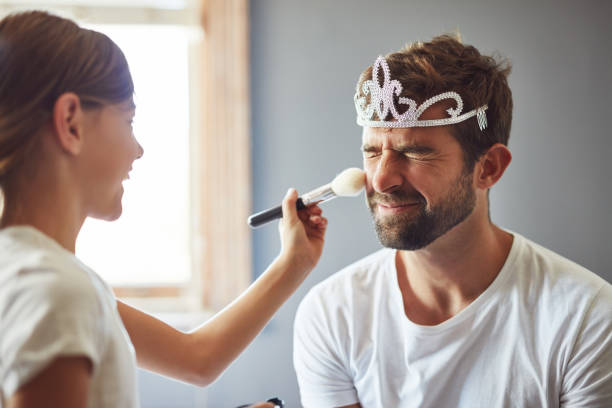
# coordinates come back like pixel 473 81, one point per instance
pixel 368 148
pixel 418 149
pixel 412 148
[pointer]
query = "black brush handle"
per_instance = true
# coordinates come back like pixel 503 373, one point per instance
pixel 276 401
pixel 261 218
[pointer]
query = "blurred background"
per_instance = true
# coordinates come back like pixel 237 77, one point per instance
pixel 294 111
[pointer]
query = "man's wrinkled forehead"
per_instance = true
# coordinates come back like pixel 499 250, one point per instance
pixel 405 136
pixel 392 136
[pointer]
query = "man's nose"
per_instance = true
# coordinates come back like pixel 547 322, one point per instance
pixel 387 175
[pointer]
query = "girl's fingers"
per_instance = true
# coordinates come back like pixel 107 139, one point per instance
pixel 314 210
pixel 318 227
pixel 316 219
pixel 289 208
pixel 307 212
pixel 323 224
pixel 312 219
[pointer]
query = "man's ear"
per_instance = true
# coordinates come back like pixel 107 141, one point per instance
pixel 492 165
pixel 68 121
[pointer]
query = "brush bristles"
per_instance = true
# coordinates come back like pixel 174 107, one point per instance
pixel 349 182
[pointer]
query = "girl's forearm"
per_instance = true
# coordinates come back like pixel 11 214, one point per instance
pixel 220 340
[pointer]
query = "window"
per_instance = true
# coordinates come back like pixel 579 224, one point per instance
pixel 182 243
pixel 150 242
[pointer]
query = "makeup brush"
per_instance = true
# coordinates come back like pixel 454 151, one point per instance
pixel 348 183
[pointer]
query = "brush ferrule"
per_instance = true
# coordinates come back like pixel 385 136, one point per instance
pixel 322 193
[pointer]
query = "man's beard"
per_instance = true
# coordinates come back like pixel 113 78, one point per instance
pixel 415 231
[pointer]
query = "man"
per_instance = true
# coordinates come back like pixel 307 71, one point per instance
pixel 455 311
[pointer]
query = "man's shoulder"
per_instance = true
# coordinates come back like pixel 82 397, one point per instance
pixel 354 280
pixel 360 271
pixel 558 270
pixel 548 278
pixel 332 305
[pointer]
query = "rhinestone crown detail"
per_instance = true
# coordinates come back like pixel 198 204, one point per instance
pixel 382 102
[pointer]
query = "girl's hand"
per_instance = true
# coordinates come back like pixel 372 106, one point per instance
pixel 302 234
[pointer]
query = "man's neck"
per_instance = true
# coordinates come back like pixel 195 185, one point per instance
pixel 439 281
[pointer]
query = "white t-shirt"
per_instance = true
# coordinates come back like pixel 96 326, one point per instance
pixel 53 305
pixel 539 336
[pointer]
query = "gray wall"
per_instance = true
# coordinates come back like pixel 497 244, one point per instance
pixel 306 57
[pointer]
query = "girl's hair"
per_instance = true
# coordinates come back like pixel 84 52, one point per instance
pixel 43 56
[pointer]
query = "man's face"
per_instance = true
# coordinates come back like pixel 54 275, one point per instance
pixel 417 185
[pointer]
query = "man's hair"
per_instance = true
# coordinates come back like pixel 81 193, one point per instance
pixel 444 64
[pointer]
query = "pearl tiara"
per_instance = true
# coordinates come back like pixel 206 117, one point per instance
pixel 381 102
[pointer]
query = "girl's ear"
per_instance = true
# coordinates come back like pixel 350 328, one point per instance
pixel 68 123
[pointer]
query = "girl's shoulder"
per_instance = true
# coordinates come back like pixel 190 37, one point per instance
pixel 25 252
pixel 34 267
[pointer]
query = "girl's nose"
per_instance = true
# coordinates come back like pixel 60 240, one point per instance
pixel 140 151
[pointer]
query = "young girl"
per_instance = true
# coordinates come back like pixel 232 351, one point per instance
pixel 66 145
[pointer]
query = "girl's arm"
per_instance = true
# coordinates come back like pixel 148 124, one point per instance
pixel 63 384
pixel 200 356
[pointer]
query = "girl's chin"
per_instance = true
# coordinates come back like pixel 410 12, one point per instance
pixel 112 211
pixel 107 215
